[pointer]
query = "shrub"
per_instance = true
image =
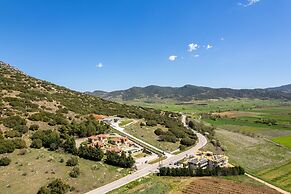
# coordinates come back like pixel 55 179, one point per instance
pixel 19 143
pixel 34 127
pixel 151 123
pixel 13 121
pixel 21 129
pixel 57 186
pixel 6 146
pixel 72 161
pixel 168 138
pixel 36 143
pixel 159 132
pixel 12 134
pixel 5 161
pixel 75 172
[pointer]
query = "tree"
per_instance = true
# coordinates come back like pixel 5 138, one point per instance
pixel 70 145
pixel 5 161
pixel 72 161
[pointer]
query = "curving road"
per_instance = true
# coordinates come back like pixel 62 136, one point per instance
pixel 150 168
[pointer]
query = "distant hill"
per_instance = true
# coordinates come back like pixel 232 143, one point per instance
pixel 191 92
pixel 285 88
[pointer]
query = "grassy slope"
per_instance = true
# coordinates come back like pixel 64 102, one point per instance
pixel 147 134
pixel 27 173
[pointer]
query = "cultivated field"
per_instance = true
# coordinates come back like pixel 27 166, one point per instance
pixel 285 141
pixel 279 176
pixel 27 173
pixel 180 185
pixel 206 106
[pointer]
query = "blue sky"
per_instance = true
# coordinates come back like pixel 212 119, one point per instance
pixel 116 44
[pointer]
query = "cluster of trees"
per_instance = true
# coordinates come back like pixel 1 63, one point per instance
pixel 122 160
pixel 57 186
pixel 218 171
pixel 90 153
pixel 267 121
pixel 175 133
pixel 85 128
pixel 208 131
pixel 51 118
pixel 48 138
pixel 9 145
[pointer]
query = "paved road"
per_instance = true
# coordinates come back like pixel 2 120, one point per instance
pixel 202 141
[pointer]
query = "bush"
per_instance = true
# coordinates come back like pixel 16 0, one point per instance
pixel 6 146
pixel 13 121
pixel 168 138
pixel 159 132
pixel 75 172
pixel 55 187
pixel 21 129
pixel 36 143
pixel 19 143
pixel 151 123
pixel 72 161
pixel 5 161
pixel 12 134
pixel 34 127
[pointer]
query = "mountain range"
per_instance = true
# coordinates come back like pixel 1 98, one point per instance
pixel 192 92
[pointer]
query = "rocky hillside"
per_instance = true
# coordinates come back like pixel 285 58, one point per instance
pixel 26 101
pixel 190 92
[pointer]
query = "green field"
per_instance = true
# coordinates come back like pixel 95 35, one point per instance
pixel 147 134
pixel 285 141
pixel 279 176
pixel 27 173
pixel 199 106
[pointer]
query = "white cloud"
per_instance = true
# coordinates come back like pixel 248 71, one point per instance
pixel 172 57
pixel 192 47
pixel 249 3
pixel 209 46
pixel 99 65
pixel 196 56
